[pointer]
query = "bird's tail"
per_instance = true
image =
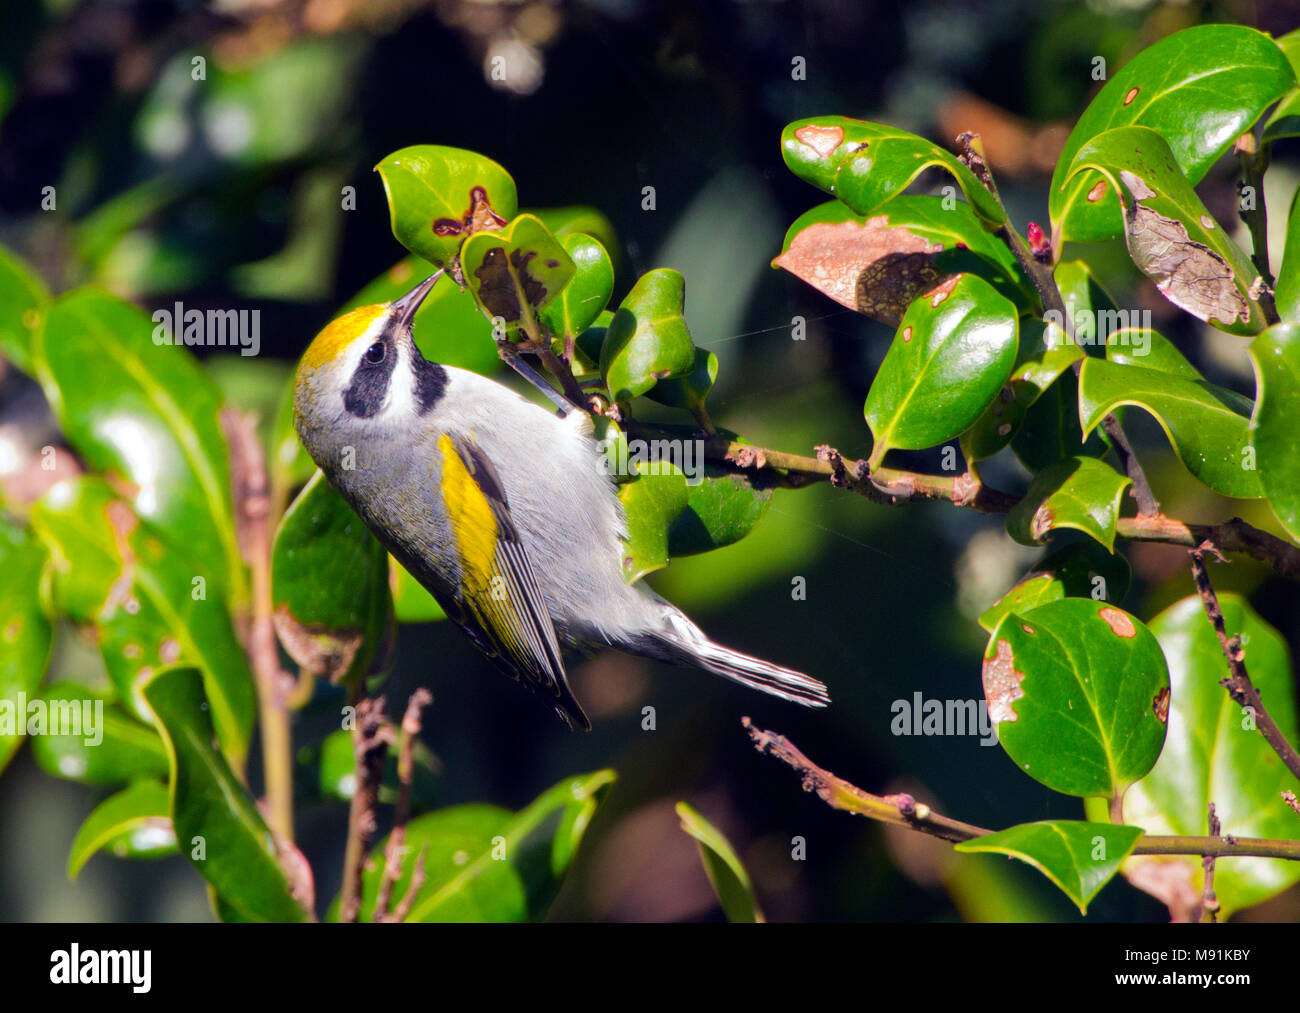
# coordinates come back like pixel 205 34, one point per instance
pixel 687 644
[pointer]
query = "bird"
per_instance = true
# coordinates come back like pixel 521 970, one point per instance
pixel 501 509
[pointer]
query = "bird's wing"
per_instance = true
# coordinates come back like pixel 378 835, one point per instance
pixel 502 607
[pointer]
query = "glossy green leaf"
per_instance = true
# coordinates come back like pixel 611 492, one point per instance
pixel 865 164
pixel 690 390
pixel 1170 236
pixel 1287 291
pixel 1042 355
pixel 23 302
pixel 25 632
pixel 146 413
pixel 486 864
pixel 329 585
pixel 1082 493
pixel 1284 121
pixel 647 341
pixel 215 819
pixel 1083 569
pixel 586 295
pixel 150 605
pixel 1207 425
pixel 438 195
pixel 110 748
pixel 878 263
pixel 952 353
pixel 1076 689
pixel 516 271
pixel 1215 754
pixel 579 218
pixel 1199 89
pixel 1080 858
pixel 1140 346
pixel 411 602
pixel 134 823
pixel 449 327
pixel 1276 355
pixel 652 502
pixel 723 866
pixel 721 508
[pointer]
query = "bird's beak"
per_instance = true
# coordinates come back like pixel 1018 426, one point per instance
pixel 409 303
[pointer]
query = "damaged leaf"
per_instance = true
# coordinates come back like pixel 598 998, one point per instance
pixel 1198 90
pixel 1071 687
pixel 1082 493
pixel 1207 425
pixel 865 164
pixel 329 586
pixel 515 271
pixel 1170 236
pixel 1080 858
pixel 877 265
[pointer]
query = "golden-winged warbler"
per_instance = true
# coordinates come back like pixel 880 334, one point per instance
pixel 500 509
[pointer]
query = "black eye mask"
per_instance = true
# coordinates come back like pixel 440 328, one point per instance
pixel 369 386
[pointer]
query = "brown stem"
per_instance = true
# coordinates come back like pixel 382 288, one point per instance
pixel 904 811
pixel 1254 159
pixel 396 850
pixel 1209 902
pixel 371 735
pixel 251 493
pixel 1238 684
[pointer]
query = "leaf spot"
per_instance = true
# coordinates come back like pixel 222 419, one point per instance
pixel 1132 94
pixel 822 140
pixel 907 333
pixel 1120 624
pixel 1097 192
pixel 1002 683
pixel 1161 705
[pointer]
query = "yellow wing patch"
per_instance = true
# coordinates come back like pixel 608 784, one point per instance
pixel 472 520
pixel 339 333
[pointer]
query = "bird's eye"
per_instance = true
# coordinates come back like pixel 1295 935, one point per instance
pixel 375 353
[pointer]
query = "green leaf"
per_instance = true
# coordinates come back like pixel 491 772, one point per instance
pixel 1284 121
pixel 1042 355
pixel 1080 858
pixel 584 298
pixel 516 271
pixel 722 508
pixel 647 341
pixel 216 820
pixel 878 264
pixel 1199 89
pixel 953 351
pixel 652 502
pixel 1141 346
pixel 1075 689
pixel 134 823
pixel 112 747
pixel 575 218
pixel 449 327
pixel 411 602
pixel 865 164
pixel 486 864
pixel 25 633
pixel 329 586
pixel 1083 569
pixel 1207 425
pixel 1081 493
pixel 336 773
pixel 1050 430
pixel 148 602
pixel 723 867
pixel 691 390
pixel 1170 236
pixel 438 195
pixel 1287 292
pixel 147 414
pixel 1276 355
pixel 23 302
pixel 1214 753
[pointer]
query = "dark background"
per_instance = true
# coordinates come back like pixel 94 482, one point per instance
pixel 226 193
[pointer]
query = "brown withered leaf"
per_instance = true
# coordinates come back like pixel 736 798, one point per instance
pixel 868 266
pixel 1189 274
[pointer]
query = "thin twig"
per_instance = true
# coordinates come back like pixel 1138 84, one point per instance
pixel 371 736
pixel 1238 683
pixel 1288 796
pixel 1209 902
pixel 407 735
pixel 404 906
pixel 1254 159
pixel 1041 274
pixel 251 493
pixel 904 811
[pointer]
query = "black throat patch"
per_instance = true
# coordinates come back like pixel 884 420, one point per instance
pixel 430 381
